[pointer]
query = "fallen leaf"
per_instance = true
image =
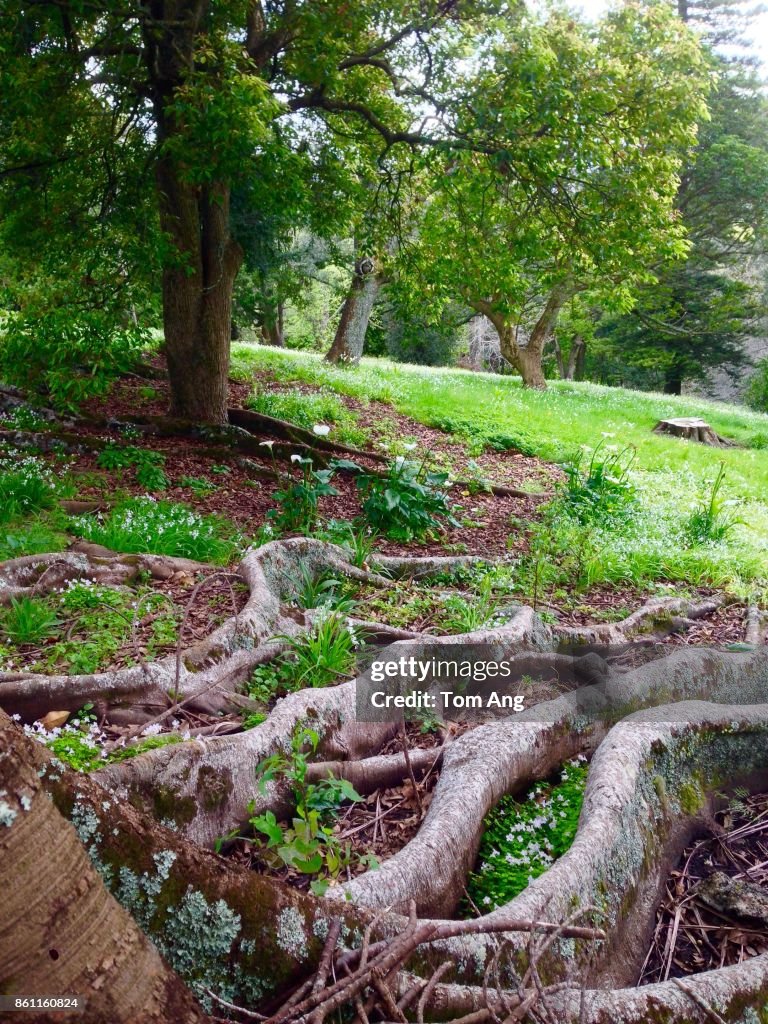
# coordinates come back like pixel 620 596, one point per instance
pixel 54 719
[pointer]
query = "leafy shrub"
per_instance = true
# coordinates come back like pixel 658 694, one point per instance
pixel 407 503
pixel 72 356
pixel 300 499
pixel 308 844
pixel 601 490
pixel 28 620
pixel 521 839
pixel 714 519
pixel 161 528
pixel 26 485
pixel 148 464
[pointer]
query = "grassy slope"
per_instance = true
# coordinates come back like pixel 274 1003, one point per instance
pixel 671 474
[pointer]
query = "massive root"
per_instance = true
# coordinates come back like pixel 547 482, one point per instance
pixel 650 787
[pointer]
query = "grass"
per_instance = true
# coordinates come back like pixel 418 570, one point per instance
pixel 671 477
pixel 161 528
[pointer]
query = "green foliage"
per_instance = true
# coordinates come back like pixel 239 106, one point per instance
pixel 464 614
pixel 32 537
pixel 324 653
pixel 299 501
pixel 148 464
pixel 71 355
pixel 323 591
pixel 142 746
pixel 358 540
pixel 408 503
pixel 601 490
pixel 521 839
pixel 714 519
pixel 26 485
pixel 28 620
pixel 200 485
pixel 308 845
pixel 309 410
pixel 161 528
pixel 757 390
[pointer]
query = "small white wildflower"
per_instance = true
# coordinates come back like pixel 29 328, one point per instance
pixel 266 444
pixel 321 429
pixel 296 458
pixel 152 730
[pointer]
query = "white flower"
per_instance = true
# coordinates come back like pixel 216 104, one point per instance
pixel 321 429
pixel 410 447
pixel 266 444
pixel 152 730
pixel 296 458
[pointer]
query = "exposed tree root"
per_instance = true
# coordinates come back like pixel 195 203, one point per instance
pixel 649 786
pixel 656 619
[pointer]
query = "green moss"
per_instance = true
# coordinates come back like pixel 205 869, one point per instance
pixel 169 806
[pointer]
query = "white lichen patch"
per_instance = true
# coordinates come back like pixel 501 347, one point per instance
pixel 291 936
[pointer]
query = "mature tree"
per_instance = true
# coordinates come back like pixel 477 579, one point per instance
pixel 699 313
pixel 591 125
pixel 197 97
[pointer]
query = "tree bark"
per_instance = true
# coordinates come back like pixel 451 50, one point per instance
pixel 200 270
pixel 576 358
pixel 349 342
pixel 61 932
pixel 527 358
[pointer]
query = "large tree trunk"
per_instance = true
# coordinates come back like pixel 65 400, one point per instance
pixel 197 296
pixel 349 341
pixel 61 932
pixel 200 268
pixel 673 382
pixel 527 358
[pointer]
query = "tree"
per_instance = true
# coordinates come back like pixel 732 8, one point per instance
pixel 195 97
pixel 591 126
pixel 698 313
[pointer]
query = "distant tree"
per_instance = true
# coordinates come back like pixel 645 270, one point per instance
pixel 697 315
pixel 125 127
pixel 591 127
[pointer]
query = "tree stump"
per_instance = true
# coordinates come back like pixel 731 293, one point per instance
pixel 692 429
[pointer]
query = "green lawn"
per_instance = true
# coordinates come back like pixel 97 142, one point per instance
pixel 672 475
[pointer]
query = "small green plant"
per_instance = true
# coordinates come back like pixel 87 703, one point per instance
pixel 26 485
pixel 299 500
pixel 78 743
pixel 198 484
pixel 408 503
pixel 322 591
pixel 464 615
pixel 521 839
pixel 356 537
pixel 714 519
pixel 28 620
pixel 308 844
pixel 601 490
pixel 147 464
pixel 324 653
pixel 162 528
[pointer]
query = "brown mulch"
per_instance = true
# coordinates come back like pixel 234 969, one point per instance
pixel 214 603
pixel 690 936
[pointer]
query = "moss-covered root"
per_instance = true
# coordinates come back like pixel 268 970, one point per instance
pixel 60 929
pixel 218 925
pixel 503 756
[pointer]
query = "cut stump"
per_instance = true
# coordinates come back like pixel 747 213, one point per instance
pixel 692 429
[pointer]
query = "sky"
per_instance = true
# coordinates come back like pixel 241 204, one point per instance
pixel 759 28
